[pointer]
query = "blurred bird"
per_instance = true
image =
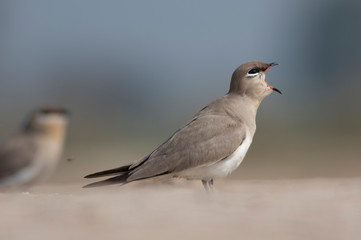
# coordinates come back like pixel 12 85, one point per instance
pixel 33 154
pixel 213 143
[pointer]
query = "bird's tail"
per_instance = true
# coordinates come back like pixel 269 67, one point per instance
pixel 122 172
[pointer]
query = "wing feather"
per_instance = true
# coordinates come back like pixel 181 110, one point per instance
pixel 15 154
pixel 205 140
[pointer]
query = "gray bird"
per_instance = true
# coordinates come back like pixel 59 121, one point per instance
pixel 213 143
pixel 33 153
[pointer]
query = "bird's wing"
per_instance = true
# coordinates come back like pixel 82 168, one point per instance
pixel 15 154
pixel 205 140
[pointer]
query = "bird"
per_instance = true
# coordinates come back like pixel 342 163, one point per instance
pixel 213 143
pixel 31 155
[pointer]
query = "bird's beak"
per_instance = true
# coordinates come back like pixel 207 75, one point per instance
pixel 276 90
pixel 272 64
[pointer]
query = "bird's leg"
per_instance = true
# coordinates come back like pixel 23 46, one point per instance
pixel 208 184
pixel 205 184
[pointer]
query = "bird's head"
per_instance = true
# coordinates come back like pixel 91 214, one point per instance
pixel 51 121
pixel 250 79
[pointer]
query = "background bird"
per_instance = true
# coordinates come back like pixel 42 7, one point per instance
pixel 213 143
pixel 32 154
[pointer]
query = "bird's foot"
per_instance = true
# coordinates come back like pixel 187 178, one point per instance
pixel 208 184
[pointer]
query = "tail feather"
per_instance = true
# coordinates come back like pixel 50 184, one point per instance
pixel 115 171
pixel 122 179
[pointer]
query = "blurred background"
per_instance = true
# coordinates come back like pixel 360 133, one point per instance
pixel 133 72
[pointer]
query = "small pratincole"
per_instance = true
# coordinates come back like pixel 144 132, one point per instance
pixel 33 154
pixel 213 143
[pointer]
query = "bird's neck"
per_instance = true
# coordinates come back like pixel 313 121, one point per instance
pixel 49 132
pixel 244 107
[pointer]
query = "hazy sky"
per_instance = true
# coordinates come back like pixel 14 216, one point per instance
pixel 137 58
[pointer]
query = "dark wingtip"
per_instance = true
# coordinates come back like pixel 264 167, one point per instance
pixel 121 180
pixel 93 175
pixel 115 171
pixel 100 184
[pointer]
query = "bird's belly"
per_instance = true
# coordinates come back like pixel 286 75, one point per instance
pixel 221 168
pixel 47 159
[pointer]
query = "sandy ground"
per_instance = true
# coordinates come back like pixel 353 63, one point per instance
pixel 246 209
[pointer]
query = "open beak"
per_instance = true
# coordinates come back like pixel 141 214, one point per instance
pixel 269 66
pixel 276 90
pixel 272 64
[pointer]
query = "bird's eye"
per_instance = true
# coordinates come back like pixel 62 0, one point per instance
pixel 253 72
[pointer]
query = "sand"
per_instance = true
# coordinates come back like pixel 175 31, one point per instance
pixel 237 209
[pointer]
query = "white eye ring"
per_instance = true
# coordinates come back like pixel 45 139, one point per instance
pixel 252 74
